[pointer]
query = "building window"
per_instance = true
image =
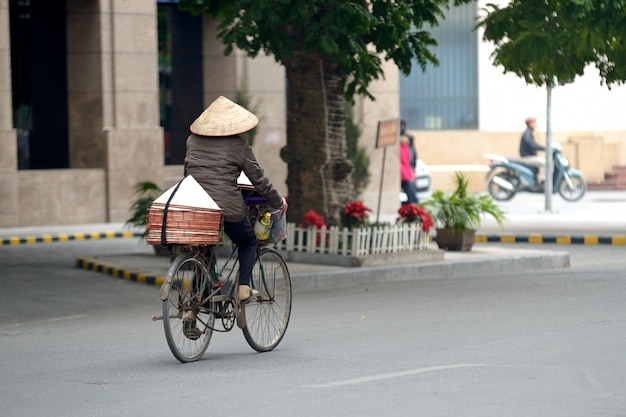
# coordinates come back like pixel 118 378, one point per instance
pixel 39 83
pixel 445 97
pixel 180 77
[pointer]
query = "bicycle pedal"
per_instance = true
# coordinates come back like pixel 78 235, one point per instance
pixel 241 319
pixel 190 330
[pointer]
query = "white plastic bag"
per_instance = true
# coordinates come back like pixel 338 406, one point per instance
pixel 278 232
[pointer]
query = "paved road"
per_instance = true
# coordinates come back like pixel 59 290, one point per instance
pixel 546 343
pixel 599 212
pixel 517 343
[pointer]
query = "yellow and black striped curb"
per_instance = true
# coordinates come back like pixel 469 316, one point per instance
pixel 93 264
pixel 559 240
pixel 535 239
pixel 69 237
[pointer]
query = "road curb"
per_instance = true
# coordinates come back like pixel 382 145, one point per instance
pixel 119 271
pixel 347 277
pixel 437 270
pixel 69 237
pixel 586 239
pixel 555 239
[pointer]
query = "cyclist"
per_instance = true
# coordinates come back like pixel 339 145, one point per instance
pixel 216 155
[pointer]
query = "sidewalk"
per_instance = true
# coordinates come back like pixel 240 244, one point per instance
pixel 598 219
pixel 145 267
pixel 482 260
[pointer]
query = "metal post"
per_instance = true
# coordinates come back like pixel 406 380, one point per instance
pixel 380 190
pixel 548 186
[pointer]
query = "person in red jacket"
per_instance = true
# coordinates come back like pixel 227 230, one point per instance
pixel 407 172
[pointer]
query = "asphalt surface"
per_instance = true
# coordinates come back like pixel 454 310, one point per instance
pixel 528 342
pixel 598 219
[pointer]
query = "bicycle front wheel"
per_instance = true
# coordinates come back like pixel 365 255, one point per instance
pixel 188 326
pixel 267 317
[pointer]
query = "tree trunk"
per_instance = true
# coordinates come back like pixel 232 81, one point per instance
pixel 318 175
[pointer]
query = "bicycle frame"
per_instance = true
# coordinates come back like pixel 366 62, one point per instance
pixel 198 292
pixel 210 254
pixel 223 276
pixel 226 279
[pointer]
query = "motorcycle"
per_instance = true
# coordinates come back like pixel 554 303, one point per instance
pixel 508 176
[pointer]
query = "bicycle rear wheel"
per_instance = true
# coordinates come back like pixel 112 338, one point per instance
pixel 188 327
pixel 267 317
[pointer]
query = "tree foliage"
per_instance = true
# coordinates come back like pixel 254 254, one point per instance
pixel 331 50
pixel 544 41
pixel 356 34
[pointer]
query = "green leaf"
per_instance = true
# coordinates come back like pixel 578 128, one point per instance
pixel 351 33
pixel 547 40
pixel 462 209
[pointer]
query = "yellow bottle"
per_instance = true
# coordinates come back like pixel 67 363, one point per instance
pixel 262 226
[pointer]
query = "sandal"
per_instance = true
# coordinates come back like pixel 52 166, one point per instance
pixel 252 294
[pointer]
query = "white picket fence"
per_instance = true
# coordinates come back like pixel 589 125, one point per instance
pixel 358 242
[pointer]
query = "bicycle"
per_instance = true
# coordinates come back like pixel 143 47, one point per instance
pixel 200 297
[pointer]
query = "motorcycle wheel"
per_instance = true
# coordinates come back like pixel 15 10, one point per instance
pixel 500 193
pixel 576 191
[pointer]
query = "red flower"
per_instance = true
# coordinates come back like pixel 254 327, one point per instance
pixel 312 218
pixel 357 210
pixel 356 214
pixel 412 213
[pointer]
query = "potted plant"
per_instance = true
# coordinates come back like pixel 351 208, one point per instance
pixel 145 193
pixel 459 213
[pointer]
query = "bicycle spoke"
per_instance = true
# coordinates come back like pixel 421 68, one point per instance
pixel 188 328
pixel 266 319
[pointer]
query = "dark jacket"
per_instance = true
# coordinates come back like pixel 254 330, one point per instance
pixel 217 162
pixel 527 145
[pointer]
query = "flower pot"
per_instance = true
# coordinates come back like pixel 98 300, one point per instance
pixel 456 239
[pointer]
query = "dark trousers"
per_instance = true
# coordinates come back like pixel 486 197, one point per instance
pixel 409 189
pixel 242 234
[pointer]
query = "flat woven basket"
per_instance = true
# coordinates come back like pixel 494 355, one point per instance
pixel 184 225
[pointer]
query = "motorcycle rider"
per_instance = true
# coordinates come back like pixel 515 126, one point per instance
pixel 528 150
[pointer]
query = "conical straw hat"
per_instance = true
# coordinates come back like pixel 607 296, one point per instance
pixel 224 118
pixel 189 194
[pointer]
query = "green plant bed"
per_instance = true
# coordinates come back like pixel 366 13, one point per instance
pixel 458 212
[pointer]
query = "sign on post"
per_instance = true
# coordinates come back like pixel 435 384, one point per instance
pixel 387 135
